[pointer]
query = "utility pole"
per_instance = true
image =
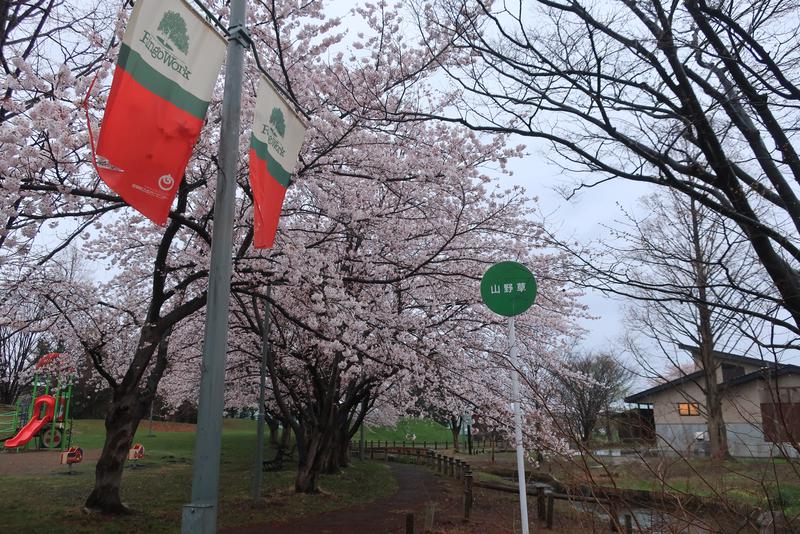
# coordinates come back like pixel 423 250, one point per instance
pixel 200 516
pixel 265 348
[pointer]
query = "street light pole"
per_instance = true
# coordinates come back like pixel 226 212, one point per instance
pixel 200 516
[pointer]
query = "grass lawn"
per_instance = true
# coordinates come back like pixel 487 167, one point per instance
pixel 425 430
pixel 52 502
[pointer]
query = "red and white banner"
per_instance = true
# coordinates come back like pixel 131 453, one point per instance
pixel 168 64
pixel 274 146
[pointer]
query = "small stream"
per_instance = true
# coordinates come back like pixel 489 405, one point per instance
pixel 643 519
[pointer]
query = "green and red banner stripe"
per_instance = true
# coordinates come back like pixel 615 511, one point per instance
pixel 274 147
pixel 159 97
pixel 269 182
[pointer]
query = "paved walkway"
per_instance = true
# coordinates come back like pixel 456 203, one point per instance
pixel 417 488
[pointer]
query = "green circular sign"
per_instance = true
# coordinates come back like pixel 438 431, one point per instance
pixel 508 288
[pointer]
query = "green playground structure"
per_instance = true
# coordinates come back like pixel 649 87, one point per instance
pixel 46 416
pixel 9 415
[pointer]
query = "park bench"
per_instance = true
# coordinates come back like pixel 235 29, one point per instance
pixel 276 464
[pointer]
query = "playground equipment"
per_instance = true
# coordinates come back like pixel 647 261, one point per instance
pixel 135 454
pixel 8 421
pixel 48 416
pixel 44 408
pixel 73 455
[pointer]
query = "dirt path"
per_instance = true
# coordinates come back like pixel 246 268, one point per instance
pixel 35 462
pixel 418 488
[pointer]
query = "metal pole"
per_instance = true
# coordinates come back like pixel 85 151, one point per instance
pixel 33 395
pixel 57 391
pixel 200 516
pixel 261 393
pixel 361 443
pixel 517 399
pixel 67 406
pixel 150 431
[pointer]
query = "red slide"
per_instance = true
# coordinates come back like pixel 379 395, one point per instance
pixel 48 402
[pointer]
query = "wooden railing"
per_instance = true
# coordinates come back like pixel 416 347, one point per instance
pixel 479 446
pixel 461 470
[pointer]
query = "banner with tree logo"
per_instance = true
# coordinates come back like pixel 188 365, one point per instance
pixel 168 64
pixel 274 146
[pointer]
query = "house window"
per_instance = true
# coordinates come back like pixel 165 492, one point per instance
pixel 688 408
pixel 729 372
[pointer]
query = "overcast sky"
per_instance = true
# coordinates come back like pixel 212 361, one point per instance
pixel 582 218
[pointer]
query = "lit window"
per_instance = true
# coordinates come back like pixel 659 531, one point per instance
pixel 688 408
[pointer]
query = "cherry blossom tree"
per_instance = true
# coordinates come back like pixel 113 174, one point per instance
pixel 384 236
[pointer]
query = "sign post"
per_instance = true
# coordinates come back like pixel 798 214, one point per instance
pixel 523 485
pixel 508 288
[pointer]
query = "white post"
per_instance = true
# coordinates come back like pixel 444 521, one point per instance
pixel 517 399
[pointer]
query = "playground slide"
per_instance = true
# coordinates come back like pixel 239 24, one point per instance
pixel 37 422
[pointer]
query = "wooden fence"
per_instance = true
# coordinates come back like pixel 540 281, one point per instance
pixel 546 497
pixel 479 446
pixel 461 470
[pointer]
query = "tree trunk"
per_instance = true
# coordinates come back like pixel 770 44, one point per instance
pixel 286 437
pixel 122 420
pixel 455 429
pixel 344 454
pixel 586 433
pixel 272 424
pixel 306 480
pixel 717 433
pixel 128 406
pixel 310 459
pixel 342 450
pixel 330 458
pixel 337 455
